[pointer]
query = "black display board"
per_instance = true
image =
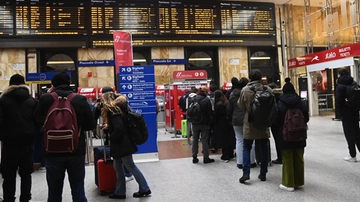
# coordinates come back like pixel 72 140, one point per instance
pixel 150 22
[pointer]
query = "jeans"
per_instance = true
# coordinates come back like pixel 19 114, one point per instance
pixel 12 160
pixel 127 172
pixel 202 130
pixel 128 162
pixel 55 173
pixel 264 156
pixel 240 145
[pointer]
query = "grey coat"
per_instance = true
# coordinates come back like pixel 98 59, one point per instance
pixel 235 113
pixel 246 97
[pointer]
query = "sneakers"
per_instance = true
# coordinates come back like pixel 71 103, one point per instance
pixel 244 178
pixel 299 187
pixel 350 159
pixel 224 161
pixel 277 161
pixel 127 179
pixel 286 188
pixel 239 166
pixel 195 159
pixel 209 160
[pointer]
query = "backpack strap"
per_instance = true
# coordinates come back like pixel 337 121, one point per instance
pixel 56 96
pixel 70 96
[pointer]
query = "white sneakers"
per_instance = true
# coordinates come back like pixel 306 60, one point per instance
pixel 350 159
pixel 286 188
pixel 127 179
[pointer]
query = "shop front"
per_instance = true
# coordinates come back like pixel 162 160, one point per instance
pixel 320 69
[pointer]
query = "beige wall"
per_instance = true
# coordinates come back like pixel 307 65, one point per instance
pixel 163 73
pixel 101 76
pixel 9 57
pixel 227 71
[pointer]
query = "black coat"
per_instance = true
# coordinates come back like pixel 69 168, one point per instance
pixel 286 102
pixel 341 95
pixel 84 115
pixel 206 108
pixel 17 120
pixel 235 113
pixel 223 130
pixel 120 143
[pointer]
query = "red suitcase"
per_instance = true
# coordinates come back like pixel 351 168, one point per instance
pixel 106 176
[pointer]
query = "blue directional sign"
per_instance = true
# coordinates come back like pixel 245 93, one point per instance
pixel 130 87
pixel 137 83
pixel 168 61
pixel 93 63
pixel 125 70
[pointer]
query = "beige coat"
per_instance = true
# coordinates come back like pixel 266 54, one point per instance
pixel 246 96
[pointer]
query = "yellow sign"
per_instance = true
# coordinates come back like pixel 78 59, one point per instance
pixel 38 82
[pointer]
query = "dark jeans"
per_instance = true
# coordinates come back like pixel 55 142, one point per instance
pixel 263 143
pixel 55 173
pixel 350 125
pixel 200 131
pixel 13 159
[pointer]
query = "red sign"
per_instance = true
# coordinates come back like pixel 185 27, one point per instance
pixel 122 50
pixel 159 89
pixel 324 56
pixel 90 92
pixel 190 74
pixel 227 85
pixel 89 74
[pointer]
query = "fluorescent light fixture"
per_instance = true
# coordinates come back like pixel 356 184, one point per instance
pixel 60 63
pixel 260 58
pixel 139 60
pixel 200 59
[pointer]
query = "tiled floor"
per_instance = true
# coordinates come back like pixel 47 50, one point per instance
pixel 176 179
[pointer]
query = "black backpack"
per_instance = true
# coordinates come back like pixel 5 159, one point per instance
pixel 137 128
pixel 194 113
pixel 353 96
pixel 262 108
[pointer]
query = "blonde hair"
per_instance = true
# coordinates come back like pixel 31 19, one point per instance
pixel 112 102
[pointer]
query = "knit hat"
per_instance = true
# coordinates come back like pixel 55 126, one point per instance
pixel 106 89
pixel 288 87
pixel 61 78
pixel 16 79
pixel 234 82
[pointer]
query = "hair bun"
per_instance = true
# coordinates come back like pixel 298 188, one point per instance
pixel 287 80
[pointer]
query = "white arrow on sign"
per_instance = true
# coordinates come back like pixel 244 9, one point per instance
pixel 123 69
pixel 124 86
pixel 123 78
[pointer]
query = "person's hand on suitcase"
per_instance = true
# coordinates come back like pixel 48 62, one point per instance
pixel 104 126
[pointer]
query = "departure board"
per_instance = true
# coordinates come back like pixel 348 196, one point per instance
pixel 188 18
pixel 50 17
pixel 138 18
pixel 244 18
pixel 6 18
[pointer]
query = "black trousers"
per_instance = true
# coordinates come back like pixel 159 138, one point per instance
pixel 17 159
pixel 351 130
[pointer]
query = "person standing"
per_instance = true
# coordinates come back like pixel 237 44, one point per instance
pixel 237 119
pixel 115 112
pixel 224 133
pixel 349 117
pixel 74 163
pixel 252 133
pixel 201 130
pixel 18 132
pixel 292 152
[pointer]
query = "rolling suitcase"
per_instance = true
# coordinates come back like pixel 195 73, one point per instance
pixel 106 175
pixel 99 154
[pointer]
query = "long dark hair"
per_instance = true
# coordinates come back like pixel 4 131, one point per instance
pixel 219 96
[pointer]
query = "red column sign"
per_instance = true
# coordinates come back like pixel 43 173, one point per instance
pixel 122 50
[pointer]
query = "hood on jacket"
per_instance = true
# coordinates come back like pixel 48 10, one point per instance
pixel 17 92
pixel 345 79
pixel 235 93
pixel 289 101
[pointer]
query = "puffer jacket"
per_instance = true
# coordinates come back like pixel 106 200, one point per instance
pixel 17 121
pixel 246 97
pixel 233 111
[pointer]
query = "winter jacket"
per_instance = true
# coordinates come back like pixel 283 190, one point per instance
pixel 235 113
pixel 120 143
pixel 290 101
pixel 246 97
pixel 341 95
pixel 206 108
pixel 223 130
pixel 17 120
pixel 85 118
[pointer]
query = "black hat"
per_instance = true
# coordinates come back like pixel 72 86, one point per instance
pixel 288 87
pixel 106 89
pixel 61 78
pixel 16 79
